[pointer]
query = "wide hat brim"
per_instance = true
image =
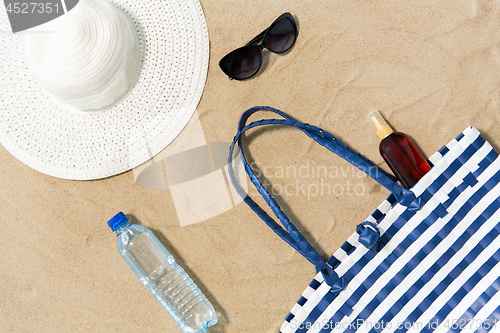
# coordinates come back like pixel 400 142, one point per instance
pixel 34 128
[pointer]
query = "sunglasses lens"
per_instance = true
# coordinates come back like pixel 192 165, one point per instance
pixel 242 63
pixel 281 36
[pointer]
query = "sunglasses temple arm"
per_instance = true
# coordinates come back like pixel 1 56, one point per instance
pixel 257 38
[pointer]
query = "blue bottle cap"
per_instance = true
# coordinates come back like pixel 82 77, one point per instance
pixel 117 221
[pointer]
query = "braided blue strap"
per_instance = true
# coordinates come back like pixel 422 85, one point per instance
pixel 369 235
pixel 290 234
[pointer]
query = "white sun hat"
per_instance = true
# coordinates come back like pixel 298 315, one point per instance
pixel 103 88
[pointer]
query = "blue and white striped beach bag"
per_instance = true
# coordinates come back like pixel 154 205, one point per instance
pixel 426 260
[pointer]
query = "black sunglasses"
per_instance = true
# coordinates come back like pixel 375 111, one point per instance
pixel 245 62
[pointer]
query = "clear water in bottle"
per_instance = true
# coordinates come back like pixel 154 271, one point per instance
pixel 166 280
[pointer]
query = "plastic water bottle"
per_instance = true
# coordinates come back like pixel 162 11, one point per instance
pixel 166 280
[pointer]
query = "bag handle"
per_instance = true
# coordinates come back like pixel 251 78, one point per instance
pixel 291 235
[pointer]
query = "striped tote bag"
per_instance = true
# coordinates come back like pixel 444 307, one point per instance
pixel 426 260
